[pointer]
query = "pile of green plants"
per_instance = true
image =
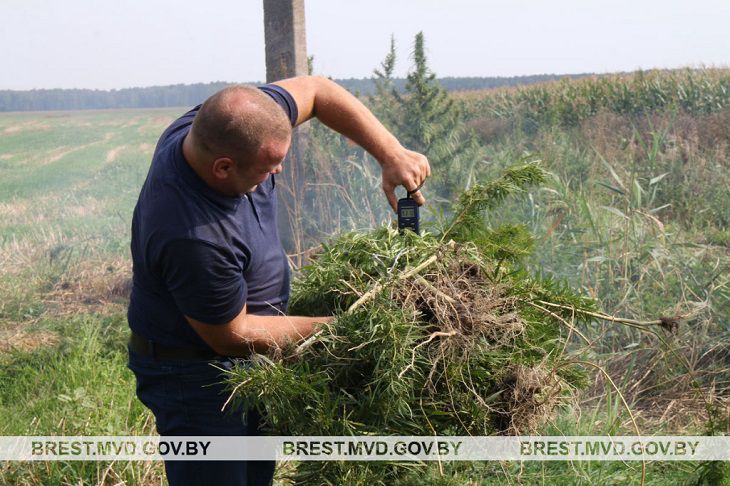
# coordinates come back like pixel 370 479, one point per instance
pixel 439 334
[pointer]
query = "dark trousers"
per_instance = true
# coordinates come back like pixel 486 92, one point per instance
pixel 186 399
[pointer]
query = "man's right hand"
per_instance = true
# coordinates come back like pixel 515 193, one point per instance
pixel 340 110
pixel 408 169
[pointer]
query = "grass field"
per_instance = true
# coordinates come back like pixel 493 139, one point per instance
pixel 633 217
pixel 68 186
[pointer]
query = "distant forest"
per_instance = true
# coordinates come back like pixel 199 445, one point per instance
pixel 193 94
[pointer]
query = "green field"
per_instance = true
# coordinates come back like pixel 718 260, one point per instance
pixel 635 215
pixel 68 185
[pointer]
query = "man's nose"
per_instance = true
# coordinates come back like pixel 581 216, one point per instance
pixel 277 169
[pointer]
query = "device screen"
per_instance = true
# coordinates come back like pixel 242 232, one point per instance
pixel 408 212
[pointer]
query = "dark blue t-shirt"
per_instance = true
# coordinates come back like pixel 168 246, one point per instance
pixel 199 253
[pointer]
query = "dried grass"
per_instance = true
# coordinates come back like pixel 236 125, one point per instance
pixel 19 340
pixel 47 209
pixel 146 148
pixel 530 398
pixel 663 394
pixel 460 298
pixel 608 132
pixel 489 129
pixel 100 287
pixel 112 154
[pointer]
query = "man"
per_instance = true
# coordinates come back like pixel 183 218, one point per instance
pixel 211 280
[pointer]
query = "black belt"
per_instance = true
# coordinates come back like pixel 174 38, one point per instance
pixel 151 349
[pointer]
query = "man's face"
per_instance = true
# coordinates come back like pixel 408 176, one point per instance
pixel 250 173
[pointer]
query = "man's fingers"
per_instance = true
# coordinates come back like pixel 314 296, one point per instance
pixel 418 197
pixel 390 194
pixel 414 190
pixel 425 171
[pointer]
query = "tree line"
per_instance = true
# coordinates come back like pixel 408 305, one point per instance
pixel 193 94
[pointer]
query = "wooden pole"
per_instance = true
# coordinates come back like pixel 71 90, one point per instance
pixel 286 56
pixel 286 42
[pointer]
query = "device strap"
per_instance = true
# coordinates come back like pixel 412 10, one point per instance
pixel 410 193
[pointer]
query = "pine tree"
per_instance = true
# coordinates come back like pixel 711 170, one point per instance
pixel 428 120
pixel 386 103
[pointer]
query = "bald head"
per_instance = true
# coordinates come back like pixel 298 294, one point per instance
pixel 236 121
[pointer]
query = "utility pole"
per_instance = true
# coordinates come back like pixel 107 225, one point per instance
pixel 286 40
pixel 286 56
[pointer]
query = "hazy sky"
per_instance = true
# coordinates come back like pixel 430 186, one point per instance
pixel 122 43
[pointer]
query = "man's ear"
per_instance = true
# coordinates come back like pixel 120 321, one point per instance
pixel 223 167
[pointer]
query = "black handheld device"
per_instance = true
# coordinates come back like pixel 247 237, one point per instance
pixel 408 216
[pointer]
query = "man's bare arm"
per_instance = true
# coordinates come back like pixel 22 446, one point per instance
pixel 247 332
pixel 338 109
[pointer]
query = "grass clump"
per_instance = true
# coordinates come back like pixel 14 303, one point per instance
pixel 433 336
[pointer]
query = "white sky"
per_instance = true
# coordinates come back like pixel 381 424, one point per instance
pixel 122 43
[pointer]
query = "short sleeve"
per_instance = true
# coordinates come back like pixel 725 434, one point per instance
pixel 284 99
pixel 204 280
